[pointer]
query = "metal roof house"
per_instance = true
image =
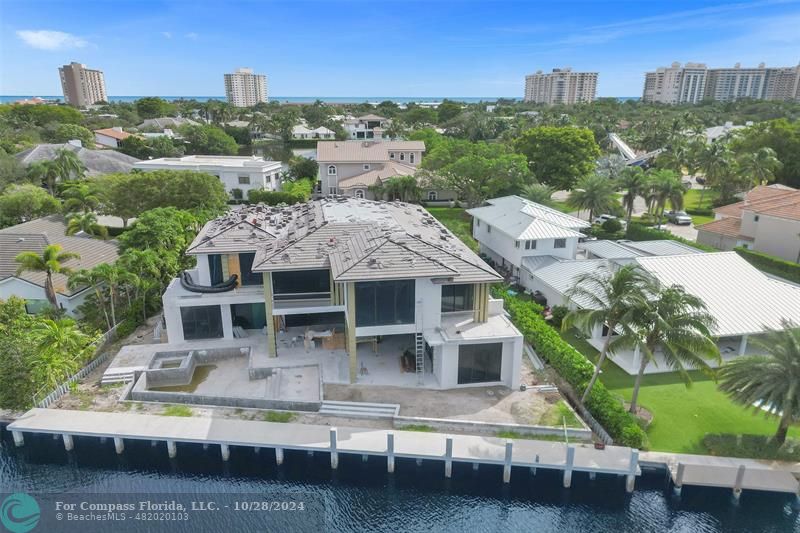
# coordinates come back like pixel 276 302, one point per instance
pixel 376 292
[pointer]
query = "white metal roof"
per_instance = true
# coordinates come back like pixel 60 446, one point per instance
pixel 532 263
pixel 608 250
pixel 741 298
pixel 522 219
pixel 661 247
pixel 562 276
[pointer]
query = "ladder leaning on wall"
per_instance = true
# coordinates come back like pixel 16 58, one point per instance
pixel 419 343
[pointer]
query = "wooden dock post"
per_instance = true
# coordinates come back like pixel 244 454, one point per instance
pixel 68 444
pixel 448 456
pixel 119 445
pixel 568 466
pixel 630 479
pixel 19 440
pixel 172 449
pixel 737 487
pixel 225 450
pixel 679 478
pixel 334 453
pixel 279 456
pixel 507 461
pixel 390 452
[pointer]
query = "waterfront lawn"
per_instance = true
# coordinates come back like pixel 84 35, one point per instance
pixel 681 416
pixel 458 221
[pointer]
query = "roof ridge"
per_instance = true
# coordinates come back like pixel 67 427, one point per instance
pixel 452 254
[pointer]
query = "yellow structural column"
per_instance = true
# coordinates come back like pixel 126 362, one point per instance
pixel 351 329
pixel 481 302
pixel 272 345
pixel 226 272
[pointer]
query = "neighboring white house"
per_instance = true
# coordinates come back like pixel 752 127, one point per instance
pixel 110 137
pixel 301 131
pixel 392 295
pixel 767 221
pixel 166 133
pixel 511 229
pixel 236 172
pixel 34 236
pixel 366 127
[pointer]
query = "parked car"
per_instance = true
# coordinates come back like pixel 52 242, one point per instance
pixel 678 217
pixel 602 218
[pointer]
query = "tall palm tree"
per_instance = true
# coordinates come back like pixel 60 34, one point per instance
pixel 87 223
pixel 633 182
pixel 50 261
pixel 403 188
pixel 716 162
pixel 759 167
pixel 84 277
pixel 115 279
pixel 593 193
pixel 68 165
pixel 666 186
pixel 61 348
pixel 80 198
pixel 44 172
pixel 611 300
pixel 679 324
pixel 770 381
pixel 538 192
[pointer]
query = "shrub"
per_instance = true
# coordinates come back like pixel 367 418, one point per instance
pixel 700 212
pixel 575 369
pixel 237 194
pixel 177 410
pixel 612 225
pixel 773 265
pixel 558 312
pixel 258 196
pixel 279 416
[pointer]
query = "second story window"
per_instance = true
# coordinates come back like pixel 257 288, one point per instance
pixel 433 196
pixel 411 158
pixel 366 167
pixel 530 245
pixel 488 228
pixel 516 244
pixel 249 277
pixel 391 155
pixel 402 156
pixel 244 180
pixel 560 243
pixel 331 170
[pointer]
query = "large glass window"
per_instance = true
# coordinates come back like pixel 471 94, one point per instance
pixel 215 268
pixel 479 363
pixel 457 298
pixel 202 322
pixel 301 284
pixel 246 267
pixel 34 307
pixel 383 303
pixel 249 316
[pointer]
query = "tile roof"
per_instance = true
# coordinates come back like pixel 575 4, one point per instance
pixel 522 219
pixel 728 226
pixel 363 151
pixel 114 134
pixel 762 199
pixel 357 239
pixel 97 162
pixel 34 235
pixel 387 171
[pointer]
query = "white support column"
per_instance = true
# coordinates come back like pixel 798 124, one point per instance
pixel 592 475
pixel 448 457
pixel 68 444
pixel 679 478
pixel 630 479
pixel 743 345
pixel 227 321
pixel 568 466
pixel 205 446
pixel 475 467
pixel 390 452
pixel 153 443
pixel 279 456
pixel 119 444
pixel 256 450
pixel 225 450
pixel 507 461
pixel 533 468
pixel 419 462
pixel 19 440
pixel 334 453
pixel 737 487
pixel 172 449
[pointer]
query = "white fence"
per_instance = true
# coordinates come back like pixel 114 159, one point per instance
pixel 61 390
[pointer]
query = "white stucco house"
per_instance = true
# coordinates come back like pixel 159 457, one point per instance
pixel 302 132
pixel 110 137
pixel 236 172
pixel 513 231
pixel 366 127
pixel 379 293
pixel 34 236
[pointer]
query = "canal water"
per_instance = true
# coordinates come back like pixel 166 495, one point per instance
pixel 361 496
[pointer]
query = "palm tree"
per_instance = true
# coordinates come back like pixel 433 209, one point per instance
pixel 759 167
pixel 80 198
pixel 633 182
pixel 84 277
pixel 611 167
pixel 115 279
pixel 715 161
pixel 666 186
pixel 61 348
pixel 679 324
pixel 771 381
pixel 538 192
pixel 612 299
pixel 87 223
pixel 68 165
pixel 51 261
pixel 403 188
pixel 594 193
pixel 44 172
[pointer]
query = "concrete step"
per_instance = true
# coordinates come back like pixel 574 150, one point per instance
pixel 273 385
pixel 359 409
pixel 122 377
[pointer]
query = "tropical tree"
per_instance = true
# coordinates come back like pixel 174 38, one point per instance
pixel 68 165
pixel 716 163
pixel 559 156
pixel 83 278
pixel 665 186
pixel 51 261
pixel 680 325
pixel 403 188
pixel 633 182
pixel 79 198
pixel 759 167
pixel 769 382
pixel 61 347
pixel 539 193
pixel 115 279
pixel 87 223
pixel 611 166
pixel 44 172
pixel 607 299
pixel 594 193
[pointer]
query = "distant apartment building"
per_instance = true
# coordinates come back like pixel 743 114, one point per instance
pixel 245 89
pixel 695 82
pixel 562 86
pixel 82 86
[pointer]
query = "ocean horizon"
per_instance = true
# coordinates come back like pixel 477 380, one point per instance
pixel 310 99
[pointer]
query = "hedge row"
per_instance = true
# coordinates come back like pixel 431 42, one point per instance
pixel 700 212
pixel 773 265
pixel 575 369
pixel 257 196
pixel 639 232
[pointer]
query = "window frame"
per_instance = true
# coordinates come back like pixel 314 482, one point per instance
pixel 331 170
pixel 562 242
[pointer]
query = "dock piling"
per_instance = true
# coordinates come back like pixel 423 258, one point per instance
pixel 679 478
pixel 533 468
pixel 737 487
pixel 68 444
pixel 334 453
pixel 256 450
pixel 475 467
pixel 630 479
pixel 119 445
pixel 19 440
pixel 279 456
pixel 419 462
pixel 448 456
pixel 568 466
pixel 507 461
pixel 205 446
pixel 172 450
pixel 225 450
pixel 390 452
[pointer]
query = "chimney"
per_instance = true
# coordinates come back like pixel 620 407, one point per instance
pixel 75 142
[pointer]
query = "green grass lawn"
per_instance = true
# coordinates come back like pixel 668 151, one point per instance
pixel 458 221
pixel 691 200
pixel 681 416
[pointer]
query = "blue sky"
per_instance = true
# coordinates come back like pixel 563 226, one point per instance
pixel 380 48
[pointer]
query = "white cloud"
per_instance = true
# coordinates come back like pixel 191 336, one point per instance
pixel 192 35
pixel 167 34
pixel 51 40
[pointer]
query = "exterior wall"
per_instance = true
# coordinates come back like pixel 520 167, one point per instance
pixel 260 177
pixel 554 297
pixel 24 289
pixel 778 236
pixel 720 242
pixel 509 370
pixel 503 246
pixel 105 140
pixel 348 170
